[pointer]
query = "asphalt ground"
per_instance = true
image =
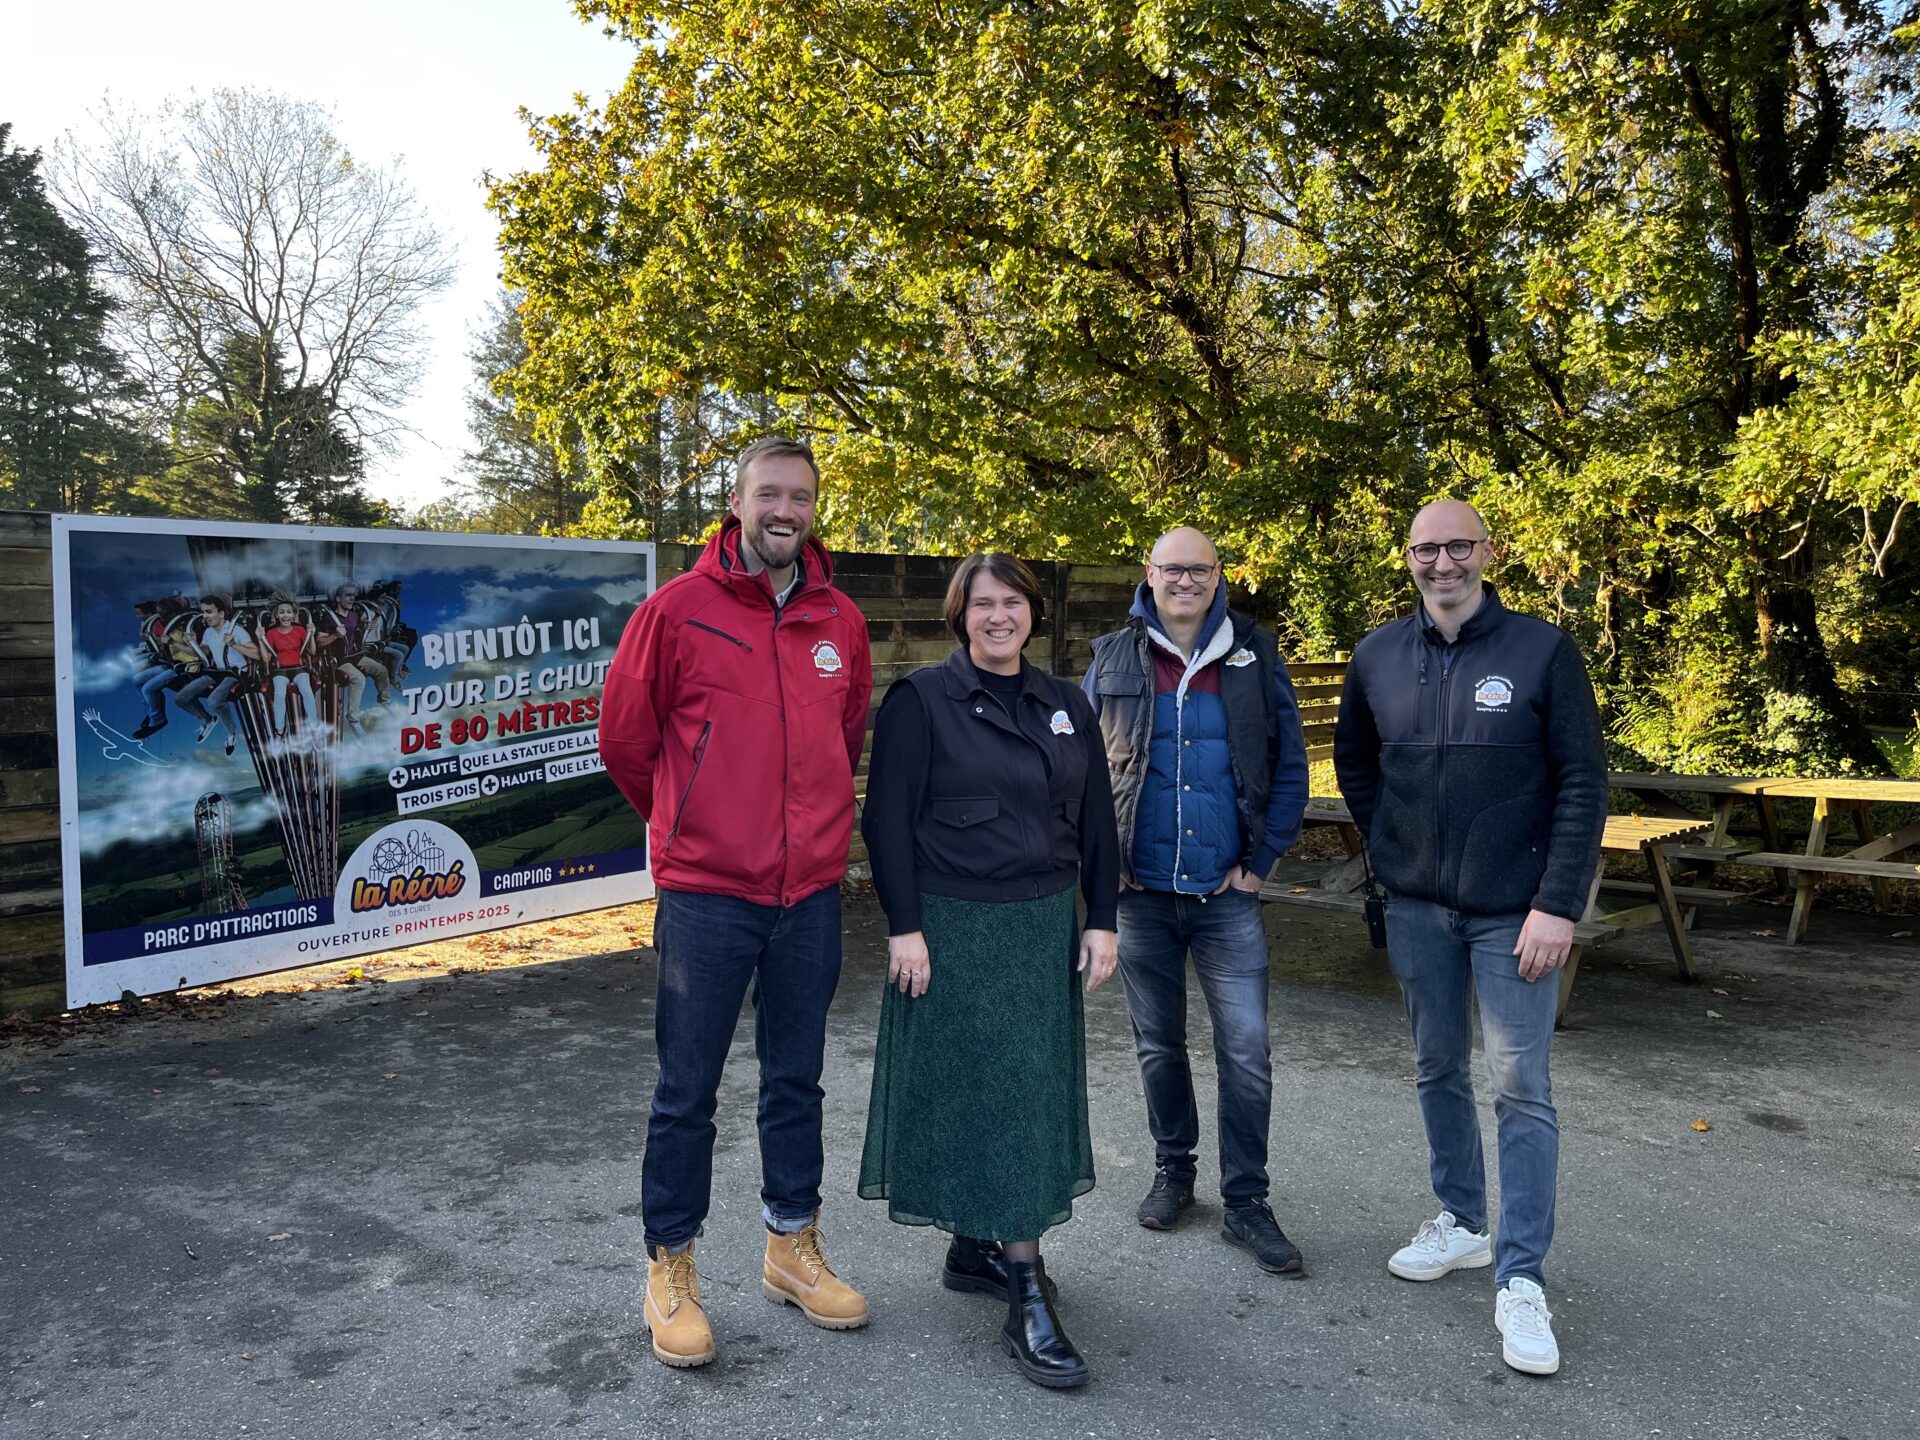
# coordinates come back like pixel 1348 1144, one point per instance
pixel 412 1210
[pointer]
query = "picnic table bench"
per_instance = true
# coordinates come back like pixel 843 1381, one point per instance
pixel 1664 833
pixel 1875 858
pixel 1724 794
pixel 1341 888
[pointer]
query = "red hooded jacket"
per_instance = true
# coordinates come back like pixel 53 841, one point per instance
pixel 735 730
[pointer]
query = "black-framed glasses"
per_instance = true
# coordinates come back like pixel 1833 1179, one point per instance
pixel 1197 574
pixel 1428 551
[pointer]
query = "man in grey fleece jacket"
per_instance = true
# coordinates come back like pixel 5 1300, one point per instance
pixel 1469 751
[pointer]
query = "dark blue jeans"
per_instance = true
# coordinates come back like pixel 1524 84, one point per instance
pixel 1445 961
pixel 1228 941
pixel 712 948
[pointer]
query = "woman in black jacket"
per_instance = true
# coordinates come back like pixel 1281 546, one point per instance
pixel 988 807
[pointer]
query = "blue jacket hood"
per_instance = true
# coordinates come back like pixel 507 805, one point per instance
pixel 1144 607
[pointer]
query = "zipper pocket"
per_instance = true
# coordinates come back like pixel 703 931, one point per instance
pixel 702 625
pixel 699 754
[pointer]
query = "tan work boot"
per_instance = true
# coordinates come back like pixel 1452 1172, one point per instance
pixel 796 1273
pixel 675 1316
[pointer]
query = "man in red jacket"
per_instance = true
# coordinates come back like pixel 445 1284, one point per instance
pixel 732 720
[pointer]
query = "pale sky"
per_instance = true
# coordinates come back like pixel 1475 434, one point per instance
pixel 432 84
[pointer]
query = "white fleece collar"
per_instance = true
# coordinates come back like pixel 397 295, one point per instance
pixel 1217 646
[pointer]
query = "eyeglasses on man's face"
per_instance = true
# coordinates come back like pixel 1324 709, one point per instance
pixel 1428 551
pixel 1177 574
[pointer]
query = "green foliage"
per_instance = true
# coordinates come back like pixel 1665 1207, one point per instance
pixel 260 446
pixel 1056 277
pixel 62 445
pixel 522 484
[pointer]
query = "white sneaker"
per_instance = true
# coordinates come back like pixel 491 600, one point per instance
pixel 1521 1316
pixel 1440 1247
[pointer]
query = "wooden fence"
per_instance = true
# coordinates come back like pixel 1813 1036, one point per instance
pixel 900 595
pixel 31 950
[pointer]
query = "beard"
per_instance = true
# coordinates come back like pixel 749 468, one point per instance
pixel 1446 599
pixel 775 553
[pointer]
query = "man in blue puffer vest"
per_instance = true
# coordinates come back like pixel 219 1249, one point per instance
pixel 1209 781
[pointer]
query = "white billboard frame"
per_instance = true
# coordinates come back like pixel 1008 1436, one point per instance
pixel 212 957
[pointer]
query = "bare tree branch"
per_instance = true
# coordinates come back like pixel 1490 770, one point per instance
pixel 240 217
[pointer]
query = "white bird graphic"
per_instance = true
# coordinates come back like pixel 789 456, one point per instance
pixel 115 746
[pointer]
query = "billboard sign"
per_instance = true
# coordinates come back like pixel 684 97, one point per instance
pixel 280 746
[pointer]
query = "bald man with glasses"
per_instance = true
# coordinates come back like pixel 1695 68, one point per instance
pixel 1469 751
pixel 1210 778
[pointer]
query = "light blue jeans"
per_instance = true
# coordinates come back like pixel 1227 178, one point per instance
pixel 219 696
pixel 1444 961
pixel 152 682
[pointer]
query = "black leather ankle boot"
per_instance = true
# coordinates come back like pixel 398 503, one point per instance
pixel 975 1265
pixel 1032 1334
pixel 981 1267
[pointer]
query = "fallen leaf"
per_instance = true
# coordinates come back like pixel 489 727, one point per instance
pixel 1764 934
pixel 1703 1125
pixel 29 1089
pixel 1715 1015
pixel 246 1355
pixel 1903 934
pixel 283 1235
pixel 391 1075
pixel 213 1070
pixel 1718 991
pixel 1408 1079
pixel 419 1014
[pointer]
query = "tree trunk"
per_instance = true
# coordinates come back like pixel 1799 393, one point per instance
pixel 1794 663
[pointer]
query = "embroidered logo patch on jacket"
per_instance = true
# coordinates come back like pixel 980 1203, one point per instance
pixel 1061 724
pixel 1493 694
pixel 1240 657
pixel 826 658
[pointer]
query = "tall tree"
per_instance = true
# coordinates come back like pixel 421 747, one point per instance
pixel 255 258
pixel 659 472
pixel 284 457
pixel 1021 265
pixel 1054 276
pixel 522 484
pixel 1648 198
pixel 63 445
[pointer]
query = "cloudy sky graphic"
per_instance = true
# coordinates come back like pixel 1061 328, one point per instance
pixel 445 585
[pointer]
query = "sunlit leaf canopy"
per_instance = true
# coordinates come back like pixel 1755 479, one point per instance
pixel 1637 279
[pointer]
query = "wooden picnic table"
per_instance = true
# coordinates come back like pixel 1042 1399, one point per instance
pixel 1874 858
pixel 1646 836
pixel 1723 793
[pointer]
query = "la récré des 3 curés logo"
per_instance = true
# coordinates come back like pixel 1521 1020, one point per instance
pixel 408 889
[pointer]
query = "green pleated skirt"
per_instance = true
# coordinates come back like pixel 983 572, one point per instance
pixel 978 1121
